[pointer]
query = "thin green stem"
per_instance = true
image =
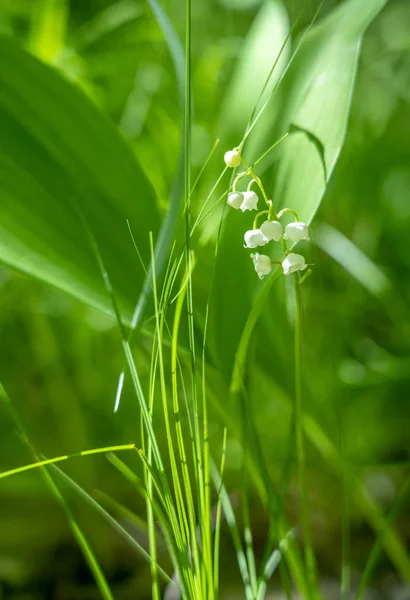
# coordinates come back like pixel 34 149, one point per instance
pixel 218 519
pixel 288 210
pixel 156 592
pixel 300 446
pixel 255 221
pixel 262 189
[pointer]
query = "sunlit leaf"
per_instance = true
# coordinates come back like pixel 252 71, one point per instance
pixel 56 149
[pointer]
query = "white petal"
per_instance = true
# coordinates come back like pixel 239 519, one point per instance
pixel 272 230
pixel 296 231
pixel 262 264
pixel 250 201
pixel 235 199
pixel 254 238
pixel 293 262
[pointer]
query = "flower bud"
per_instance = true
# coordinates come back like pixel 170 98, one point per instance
pixel 235 199
pixel 293 262
pixel 296 232
pixel 254 238
pixel 272 230
pixel 262 264
pixel 232 158
pixel 250 201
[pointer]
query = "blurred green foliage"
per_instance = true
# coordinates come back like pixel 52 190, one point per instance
pixel 60 359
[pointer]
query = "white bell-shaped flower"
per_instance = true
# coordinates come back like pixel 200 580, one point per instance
pixel 296 231
pixel 250 201
pixel 262 264
pixel 293 262
pixel 272 230
pixel 235 199
pixel 254 238
pixel 232 158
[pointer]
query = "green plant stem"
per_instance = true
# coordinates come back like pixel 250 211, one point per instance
pixel 272 213
pixel 300 447
pixel 156 592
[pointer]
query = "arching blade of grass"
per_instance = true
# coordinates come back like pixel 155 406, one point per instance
pixel 77 532
pixel 81 539
pixel 123 532
pixel 401 497
pixel 51 461
pixel 56 146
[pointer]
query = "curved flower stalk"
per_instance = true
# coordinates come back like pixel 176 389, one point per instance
pixel 271 229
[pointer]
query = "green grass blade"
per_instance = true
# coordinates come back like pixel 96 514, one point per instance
pixel 55 146
pixel 77 532
pixel 51 461
pixel 233 528
pixel 401 497
pixel 123 532
pixel 218 517
pixel 81 539
pixel 270 567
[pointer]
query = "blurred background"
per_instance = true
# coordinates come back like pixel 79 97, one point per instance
pixel 60 360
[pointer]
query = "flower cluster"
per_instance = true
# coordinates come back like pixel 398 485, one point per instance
pixel 271 229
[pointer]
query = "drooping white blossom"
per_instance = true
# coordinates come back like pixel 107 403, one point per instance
pixel 293 262
pixel 296 231
pixel 235 199
pixel 250 201
pixel 254 238
pixel 272 230
pixel 232 158
pixel 262 264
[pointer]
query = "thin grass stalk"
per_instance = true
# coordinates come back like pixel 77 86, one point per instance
pixel 285 70
pixel 345 583
pixel 181 509
pixel 234 530
pixel 250 555
pixel 218 518
pixel 190 304
pixel 271 564
pixel 152 538
pixel 136 383
pixel 203 510
pixel 176 408
pixel 300 447
pixel 179 561
pixel 272 70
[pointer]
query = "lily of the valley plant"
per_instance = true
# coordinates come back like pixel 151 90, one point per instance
pixel 271 229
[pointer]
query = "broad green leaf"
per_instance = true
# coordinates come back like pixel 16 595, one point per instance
pixel 352 259
pixel 258 53
pixel 318 88
pixel 57 150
